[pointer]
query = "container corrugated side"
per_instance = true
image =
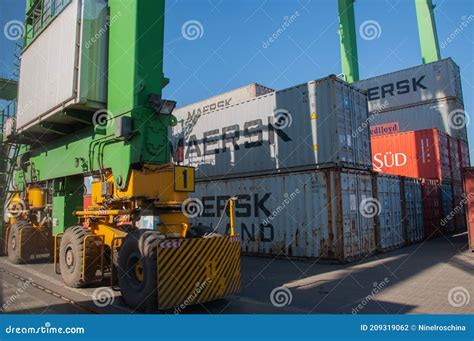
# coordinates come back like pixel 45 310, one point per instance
pixel 447 224
pixel 64 66
pixel 414 86
pixel 222 100
pixel 415 154
pixel 307 214
pixel 468 184
pixel 316 123
pixel 412 208
pixel 390 229
pixel 464 156
pixel 432 207
pixel 455 160
pixel 439 115
pixel 459 210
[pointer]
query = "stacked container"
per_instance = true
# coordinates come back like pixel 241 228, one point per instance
pixel 299 162
pixel 423 97
pixel 419 125
pixel 412 208
pixel 321 123
pixel 312 214
pixel 432 207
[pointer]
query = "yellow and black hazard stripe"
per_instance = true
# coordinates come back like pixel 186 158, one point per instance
pixel 193 271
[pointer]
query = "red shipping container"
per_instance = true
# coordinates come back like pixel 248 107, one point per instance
pixel 432 207
pixel 469 190
pixel 414 154
pixel 464 154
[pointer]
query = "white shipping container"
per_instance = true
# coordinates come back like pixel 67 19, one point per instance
pixel 389 221
pixel 321 122
pixel 441 115
pixel 64 66
pixel 223 100
pixel 313 214
pixel 420 84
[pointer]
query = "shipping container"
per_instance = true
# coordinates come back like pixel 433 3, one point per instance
pixel 48 86
pixel 432 208
pixel 464 154
pixel 445 115
pixel 319 214
pixel 412 208
pixel 223 100
pixel 414 86
pixel 389 221
pixel 454 160
pixel 322 122
pixel 459 207
pixel 415 154
pixel 447 224
pixel 468 185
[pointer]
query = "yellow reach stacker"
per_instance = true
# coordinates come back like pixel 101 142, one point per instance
pixel 90 105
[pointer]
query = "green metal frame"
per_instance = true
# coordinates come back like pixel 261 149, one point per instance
pixel 348 35
pixel 427 30
pixel 135 72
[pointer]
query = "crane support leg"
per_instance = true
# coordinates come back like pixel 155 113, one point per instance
pixel 347 32
pixel 427 29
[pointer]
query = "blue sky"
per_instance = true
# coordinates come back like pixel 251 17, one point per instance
pixel 230 52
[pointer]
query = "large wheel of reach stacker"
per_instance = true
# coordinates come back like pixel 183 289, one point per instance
pixel 20 248
pixel 137 269
pixel 71 257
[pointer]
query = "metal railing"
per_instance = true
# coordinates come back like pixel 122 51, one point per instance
pixel 40 14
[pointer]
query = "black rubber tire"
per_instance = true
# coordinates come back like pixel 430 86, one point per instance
pixel 27 241
pixel 71 254
pixel 139 245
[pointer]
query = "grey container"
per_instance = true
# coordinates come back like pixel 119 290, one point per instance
pixel 447 200
pixel 440 115
pixel 412 208
pixel 318 123
pixel 390 229
pixel 223 100
pixel 417 85
pixel 312 214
